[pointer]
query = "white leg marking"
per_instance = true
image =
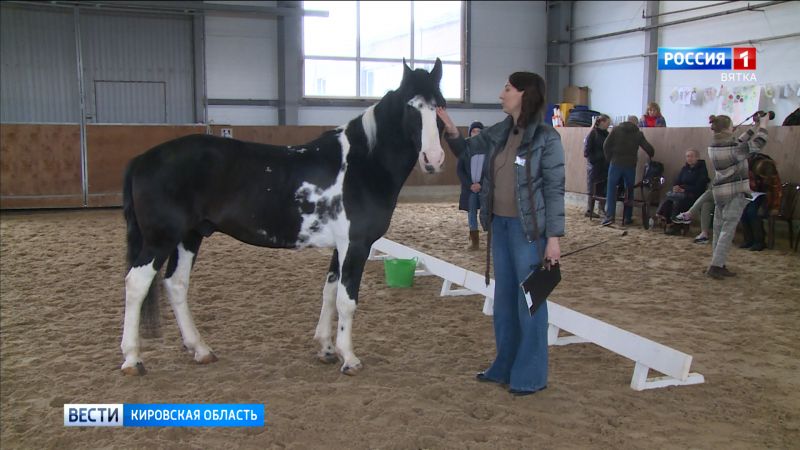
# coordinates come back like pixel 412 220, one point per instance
pixel 344 345
pixel 177 287
pixel 137 283
pixel 324 326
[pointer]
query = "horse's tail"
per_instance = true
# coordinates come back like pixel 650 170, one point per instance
pixel 150 323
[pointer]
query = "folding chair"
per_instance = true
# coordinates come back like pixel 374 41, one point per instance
pixel 649 198
pixel 788 211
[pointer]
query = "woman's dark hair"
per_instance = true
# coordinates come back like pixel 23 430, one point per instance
pixel 533 89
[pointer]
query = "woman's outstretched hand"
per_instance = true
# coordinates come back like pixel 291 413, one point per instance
pixel 449 127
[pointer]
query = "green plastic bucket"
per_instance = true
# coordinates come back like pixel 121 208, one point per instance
pixel 400 272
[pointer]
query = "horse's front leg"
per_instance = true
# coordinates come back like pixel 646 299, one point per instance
pixel 346 301
pixel 324 333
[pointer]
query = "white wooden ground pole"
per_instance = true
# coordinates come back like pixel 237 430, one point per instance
pixel 645 353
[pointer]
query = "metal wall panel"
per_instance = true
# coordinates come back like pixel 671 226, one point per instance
pixel 145 102
pixel 138 49
pixel 38 68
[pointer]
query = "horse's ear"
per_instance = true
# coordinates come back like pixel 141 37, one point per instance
pixel 406 70
pixel 436 73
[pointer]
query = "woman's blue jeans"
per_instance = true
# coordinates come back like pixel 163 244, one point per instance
pixel 472 213
pixel 521 339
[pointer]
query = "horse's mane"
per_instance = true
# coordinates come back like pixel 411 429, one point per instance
pixel 362 132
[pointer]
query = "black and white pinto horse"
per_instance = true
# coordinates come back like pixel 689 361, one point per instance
pixel 338 191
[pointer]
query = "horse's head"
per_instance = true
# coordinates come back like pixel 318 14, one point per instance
pixel 419 120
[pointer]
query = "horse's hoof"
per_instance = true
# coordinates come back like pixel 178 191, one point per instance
pixel 328 358
pixel 137 370
pixel 208 359
pixel 352 370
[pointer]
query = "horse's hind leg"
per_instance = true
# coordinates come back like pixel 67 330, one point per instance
pixel 176 283
pixel 137 285
pixel 323 335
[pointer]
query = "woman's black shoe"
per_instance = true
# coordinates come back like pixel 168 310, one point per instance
pixel 481 376
pixel 519 393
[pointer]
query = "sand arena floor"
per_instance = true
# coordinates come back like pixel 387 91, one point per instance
pixel 61 310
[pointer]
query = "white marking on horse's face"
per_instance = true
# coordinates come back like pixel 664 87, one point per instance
pixel 328 219
pixel 370 127
pixel 431 156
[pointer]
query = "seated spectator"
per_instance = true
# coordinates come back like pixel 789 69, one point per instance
pixel 792 119
pixel 764 201
pixel 689 185
pixel 703 207
pixel 653 117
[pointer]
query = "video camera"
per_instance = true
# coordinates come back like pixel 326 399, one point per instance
pixel 759 114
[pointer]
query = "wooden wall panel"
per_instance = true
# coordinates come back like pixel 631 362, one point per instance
pixel 784 148
pixel 40 163
pixel 40 166
pixel 110 147
pixel 296 135
pixel 575 170
pixel 275 135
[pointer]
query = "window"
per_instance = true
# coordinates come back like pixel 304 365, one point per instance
pixel 358 50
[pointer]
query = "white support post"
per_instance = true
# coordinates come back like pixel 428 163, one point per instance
pixel 552 334
pixel 376 255
pixel 421 271
pixel 566 340
pixel 488 306
pixel 554 339
pixel 640 382
pixel 448 291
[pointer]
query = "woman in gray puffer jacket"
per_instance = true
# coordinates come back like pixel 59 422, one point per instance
pixel 523 156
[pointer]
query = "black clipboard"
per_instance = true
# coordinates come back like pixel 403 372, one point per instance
pixel 539 284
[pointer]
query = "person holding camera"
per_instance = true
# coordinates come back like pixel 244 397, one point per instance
pixel 731 184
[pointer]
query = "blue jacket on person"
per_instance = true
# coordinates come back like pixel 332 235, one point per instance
pixel 463 171
pixel 693 179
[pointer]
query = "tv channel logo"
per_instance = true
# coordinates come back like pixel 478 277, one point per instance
pixel 706 58
pixel 93 415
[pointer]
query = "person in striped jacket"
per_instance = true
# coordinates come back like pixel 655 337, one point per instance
pixel 731 185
